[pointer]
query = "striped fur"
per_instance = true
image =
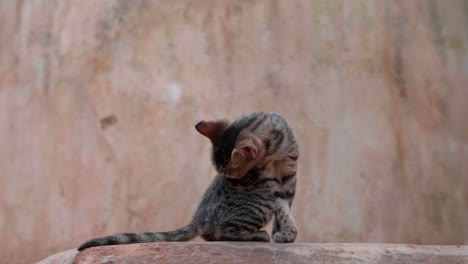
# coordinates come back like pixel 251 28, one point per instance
pixel 277 152
pixel 256 158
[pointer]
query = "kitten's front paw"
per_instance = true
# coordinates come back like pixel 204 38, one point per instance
pixel 285 236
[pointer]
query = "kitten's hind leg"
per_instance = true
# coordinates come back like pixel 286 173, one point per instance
pixel 258 236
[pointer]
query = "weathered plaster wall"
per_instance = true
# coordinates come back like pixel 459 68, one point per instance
pixel 98 100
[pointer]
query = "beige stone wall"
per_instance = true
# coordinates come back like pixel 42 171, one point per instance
pixel 98 100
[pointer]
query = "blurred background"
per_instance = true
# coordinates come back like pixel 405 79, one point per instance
pixel 98 102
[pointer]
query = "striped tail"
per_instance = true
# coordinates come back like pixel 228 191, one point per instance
pixel 183 234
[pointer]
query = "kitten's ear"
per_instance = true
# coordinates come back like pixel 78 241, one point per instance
pixel 244 149
pixel 212 129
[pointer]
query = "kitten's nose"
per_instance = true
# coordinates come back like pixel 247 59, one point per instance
pixel 222 172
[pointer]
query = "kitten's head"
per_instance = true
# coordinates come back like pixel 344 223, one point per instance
pixel 235 150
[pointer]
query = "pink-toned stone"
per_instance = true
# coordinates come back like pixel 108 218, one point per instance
pixel 66 257
pixel 98 100
pixel 164 253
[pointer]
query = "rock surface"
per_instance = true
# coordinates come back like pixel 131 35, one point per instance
pixel 66 257
pixel 98 100
pixel 164 253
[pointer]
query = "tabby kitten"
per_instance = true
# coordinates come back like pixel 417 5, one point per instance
pixel 256 160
